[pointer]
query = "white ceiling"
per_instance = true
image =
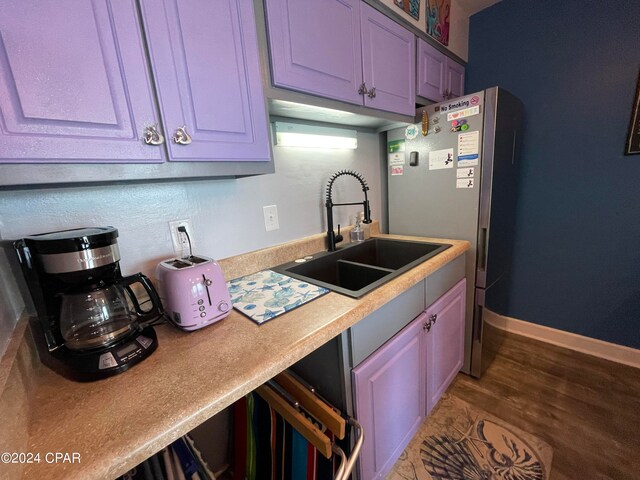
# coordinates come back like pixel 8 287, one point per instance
pixel 474 6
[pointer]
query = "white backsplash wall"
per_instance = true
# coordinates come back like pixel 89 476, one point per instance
pixel 226 215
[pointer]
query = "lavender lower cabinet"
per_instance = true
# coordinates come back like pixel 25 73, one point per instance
pixel 204 57
pixel 389 398
pixel 444 345
pixel 400 383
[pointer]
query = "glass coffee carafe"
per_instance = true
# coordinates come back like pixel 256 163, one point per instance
pixel 99 317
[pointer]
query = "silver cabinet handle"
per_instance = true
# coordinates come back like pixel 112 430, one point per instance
pixel 363 89
pixel 152 135
pixel 433 318
pixel 181 137
pixel 427 325
pixel 372 93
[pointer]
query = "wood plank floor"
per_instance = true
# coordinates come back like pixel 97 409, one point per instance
pixel 586 408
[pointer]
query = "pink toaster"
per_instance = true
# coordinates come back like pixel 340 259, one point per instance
pixel 193 291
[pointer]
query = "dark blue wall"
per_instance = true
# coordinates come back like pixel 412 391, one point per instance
pixel 574 64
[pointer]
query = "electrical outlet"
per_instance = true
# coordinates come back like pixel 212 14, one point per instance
pixel 179 239
pixel 270 217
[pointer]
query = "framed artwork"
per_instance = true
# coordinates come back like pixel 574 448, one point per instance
pixel 410 7
pixel 411 11
pixel 438 19
pixel 633 136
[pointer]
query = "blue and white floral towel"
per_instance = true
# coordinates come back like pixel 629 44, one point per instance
pixel 265 295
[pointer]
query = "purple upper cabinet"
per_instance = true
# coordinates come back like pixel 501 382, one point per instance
pixel 315 46
pixel 439 77
pixel 331 47
pixel 204 57
pixel 73 83
pixel 454 79
pixel 444 342
pixel 431 72
pixel 389 398
pixel 388 63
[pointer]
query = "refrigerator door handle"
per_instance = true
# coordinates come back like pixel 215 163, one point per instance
pixel 476 338
pixel 482 250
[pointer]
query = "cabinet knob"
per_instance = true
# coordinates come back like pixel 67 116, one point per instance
pixel 363 89
pixel 427 325
pixel 181 137
pixel 372 93
pixel 152 135
pixel 433 318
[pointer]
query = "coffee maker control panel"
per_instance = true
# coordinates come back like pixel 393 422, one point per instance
pixel 124 354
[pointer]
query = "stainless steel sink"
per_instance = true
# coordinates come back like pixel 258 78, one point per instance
pixel 355 270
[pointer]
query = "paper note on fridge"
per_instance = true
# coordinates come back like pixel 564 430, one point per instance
pixel 464 183
pixel 396 159
pixel 468 148
pixel 465 172
pixel 441 159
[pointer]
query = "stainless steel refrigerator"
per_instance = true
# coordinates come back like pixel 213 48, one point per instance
pixel 460 181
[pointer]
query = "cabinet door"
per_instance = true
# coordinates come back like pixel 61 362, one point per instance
pixel 455 79
pixel 444 342
pixel 389 399
pixel 204 56
pixel 431 72
pixel 315 46
pixel 388 63
pixel 73 83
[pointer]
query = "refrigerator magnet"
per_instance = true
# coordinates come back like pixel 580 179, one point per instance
pixel 396 159
pixel 395 146
pixel 465 172
pixel 425 123
pixel 397 170
pixel 468 146
pixel 467 112
pixel 411 132
pixel 464 182
pixel 439 159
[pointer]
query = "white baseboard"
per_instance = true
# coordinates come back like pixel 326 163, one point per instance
pixel 591 346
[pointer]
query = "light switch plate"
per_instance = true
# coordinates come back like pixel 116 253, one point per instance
pixel 270 217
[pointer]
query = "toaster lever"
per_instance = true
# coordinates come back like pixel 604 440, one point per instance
pixel 207 283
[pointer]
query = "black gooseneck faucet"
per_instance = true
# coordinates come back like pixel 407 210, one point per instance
pixel 332 237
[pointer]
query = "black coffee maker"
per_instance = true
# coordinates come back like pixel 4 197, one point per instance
pixel 92 322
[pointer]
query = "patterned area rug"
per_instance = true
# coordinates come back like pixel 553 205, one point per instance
pixel 461 442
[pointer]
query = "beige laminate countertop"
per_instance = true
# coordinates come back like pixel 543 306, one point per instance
pixel 116 423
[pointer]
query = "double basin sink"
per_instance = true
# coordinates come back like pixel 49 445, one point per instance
pixel 358 268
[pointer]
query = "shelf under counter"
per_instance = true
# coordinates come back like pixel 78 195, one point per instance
pixel 116 423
